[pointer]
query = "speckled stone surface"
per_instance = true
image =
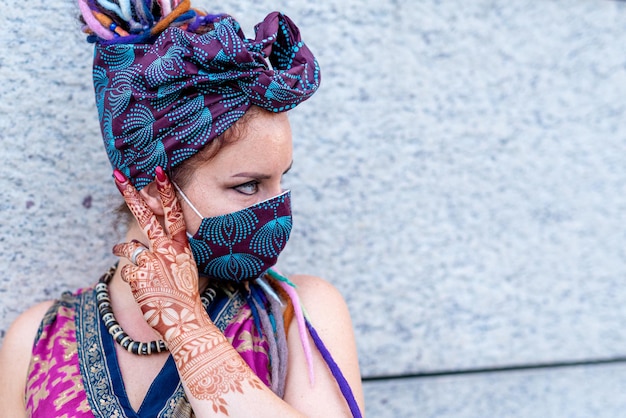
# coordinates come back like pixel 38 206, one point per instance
pixel 577 392
pixel 460 176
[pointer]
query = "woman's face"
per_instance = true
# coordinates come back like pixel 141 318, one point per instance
pixel 245 171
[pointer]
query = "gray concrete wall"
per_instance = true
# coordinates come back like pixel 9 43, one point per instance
pixel 460 177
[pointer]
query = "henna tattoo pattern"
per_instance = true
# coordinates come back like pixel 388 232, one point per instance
pixel 211 368
pixel 164 282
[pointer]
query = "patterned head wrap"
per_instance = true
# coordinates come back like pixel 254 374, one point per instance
pixel 162 99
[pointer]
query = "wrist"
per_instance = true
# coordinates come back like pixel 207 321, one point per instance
pixel 199 329
pixel 203 354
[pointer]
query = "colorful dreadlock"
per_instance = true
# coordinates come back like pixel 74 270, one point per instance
pixel 266 297
pixel 304 324
pixel 137 21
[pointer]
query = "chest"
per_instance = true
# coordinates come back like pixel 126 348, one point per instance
pixel 138 374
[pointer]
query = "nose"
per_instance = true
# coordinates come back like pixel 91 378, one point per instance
pixel 275 189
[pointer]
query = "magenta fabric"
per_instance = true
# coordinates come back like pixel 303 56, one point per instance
pixel 241 332
pixel 55 386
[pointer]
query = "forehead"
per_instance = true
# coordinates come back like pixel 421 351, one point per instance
pixel 263 141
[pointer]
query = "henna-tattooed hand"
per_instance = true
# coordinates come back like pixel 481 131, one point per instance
pixel 164 280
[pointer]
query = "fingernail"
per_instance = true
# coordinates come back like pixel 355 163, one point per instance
pixel 160 174
pixel 116 250
pixel 121 178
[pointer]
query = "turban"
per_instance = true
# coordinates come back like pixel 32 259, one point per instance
pixel 159 103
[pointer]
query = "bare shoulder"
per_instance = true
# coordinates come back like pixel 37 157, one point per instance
pixel 314 291
pixel 324 303
pixel 23 330
pixel 15 354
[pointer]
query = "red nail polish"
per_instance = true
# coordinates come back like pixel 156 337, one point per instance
pixel 160 174
pixel 121 178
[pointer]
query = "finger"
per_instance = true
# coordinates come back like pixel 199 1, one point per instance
pixel 127 272
pixel 139 208
pixel 133 276
pixel 135 251
pixel 174 220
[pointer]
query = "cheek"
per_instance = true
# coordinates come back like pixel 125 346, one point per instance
pixel 216 203
pixel 192 222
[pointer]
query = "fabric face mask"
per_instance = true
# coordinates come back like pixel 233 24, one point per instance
pixel 242 245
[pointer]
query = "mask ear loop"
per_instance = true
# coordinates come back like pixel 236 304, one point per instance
pixel 186 199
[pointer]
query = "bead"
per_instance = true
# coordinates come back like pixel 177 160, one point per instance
pixel 108 318
pixel 102 296
pixel 132 347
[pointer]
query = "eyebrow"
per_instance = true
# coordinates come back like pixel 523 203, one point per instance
pixel 260 176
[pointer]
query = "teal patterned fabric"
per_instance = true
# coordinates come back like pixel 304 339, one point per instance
pixel 243 245
pixel 159 103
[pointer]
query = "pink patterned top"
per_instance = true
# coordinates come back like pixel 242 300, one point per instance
pixel 74 372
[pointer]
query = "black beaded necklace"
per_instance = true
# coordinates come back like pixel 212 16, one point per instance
pixel 122 338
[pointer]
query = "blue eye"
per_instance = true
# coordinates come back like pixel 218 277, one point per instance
pixel 248 188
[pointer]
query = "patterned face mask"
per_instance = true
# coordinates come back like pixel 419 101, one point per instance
pixel 242 245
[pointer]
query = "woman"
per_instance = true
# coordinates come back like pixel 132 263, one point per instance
pixel 194 124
